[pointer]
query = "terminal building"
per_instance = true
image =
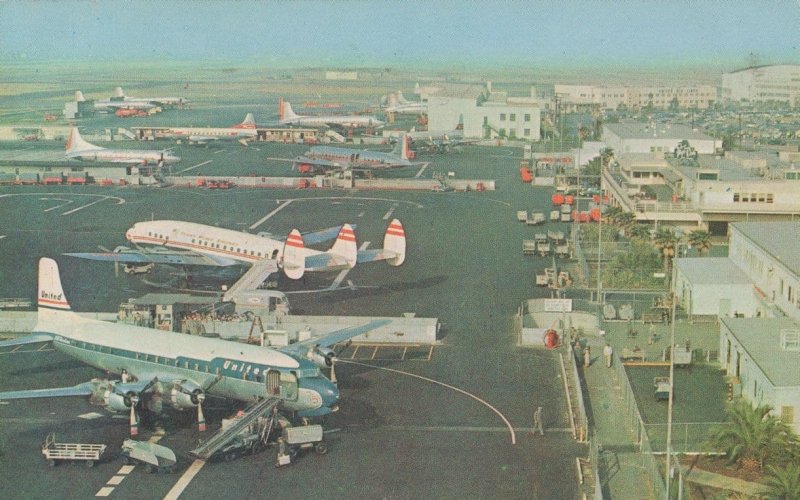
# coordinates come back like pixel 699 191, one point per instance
pixel 755 293
pixel 490 115
pixel 578 98
pixel 778 83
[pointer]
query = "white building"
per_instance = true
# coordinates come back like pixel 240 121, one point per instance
pixel 713 286
pixel 763 83
pixel 581 97
pixel 636 137
pixel 489 116
pixel 762 357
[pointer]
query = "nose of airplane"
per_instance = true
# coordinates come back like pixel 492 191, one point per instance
pixel 324 387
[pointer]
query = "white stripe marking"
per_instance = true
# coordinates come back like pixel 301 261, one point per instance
pixel 184 481
pixel 3 236
pixel 218 152
pixel 422 169
pixel 264 219
pixel 114 481
pixel 193 167
pixel 83 206
pixel 104 491
pixel 390 212
pixel 126 469
pixel 343 273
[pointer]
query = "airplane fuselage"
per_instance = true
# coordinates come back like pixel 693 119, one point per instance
pixel 124 156
pixel 219 243
pixel 198 134
pixel 354 157
pixel 342 121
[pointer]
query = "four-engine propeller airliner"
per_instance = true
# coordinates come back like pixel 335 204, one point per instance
pixel 241 132
pixel 80 149
pixel 119 96
pixel 199 244
pixel 288 117
pixel 176 369
pixel 329 157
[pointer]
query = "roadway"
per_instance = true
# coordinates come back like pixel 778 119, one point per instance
pixel 455 423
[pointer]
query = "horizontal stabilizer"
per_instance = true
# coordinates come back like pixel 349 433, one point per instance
pixel 27 339
pixel 315 237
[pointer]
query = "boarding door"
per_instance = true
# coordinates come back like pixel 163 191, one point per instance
pixel 281 385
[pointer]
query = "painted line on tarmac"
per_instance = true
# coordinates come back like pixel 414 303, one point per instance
pixel 476 398
pixel 419 173
pixel 456 428
pixel 390 212
pixel 115 480
pixel 66 202
pixel 68 212
pixel 193 167
pixel 220 151
pixel 4 235
pixel 185 479
pixel 266 217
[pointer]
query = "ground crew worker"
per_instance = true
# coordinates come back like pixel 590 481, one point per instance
pixel 587 357
pixel 124 376
pixel 537 421
pixel 608 353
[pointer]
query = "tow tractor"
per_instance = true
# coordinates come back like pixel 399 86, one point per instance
pixel 155 457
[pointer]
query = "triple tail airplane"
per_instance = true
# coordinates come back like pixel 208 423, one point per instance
pixel 289 117
pixel 109 105
pixel 329 157
pixel 119 96
pixel 199 244
pixel 242 132
pixel 80 149
pixel 158 367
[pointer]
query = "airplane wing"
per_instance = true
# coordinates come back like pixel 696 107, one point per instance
pixel 160 256
pixel 335 337
pixel 318 162
pixel 34 338
pixel 84 389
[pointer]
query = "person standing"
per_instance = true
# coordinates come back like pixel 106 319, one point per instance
pixel 537 421
pixel 587 357
pixel 608 353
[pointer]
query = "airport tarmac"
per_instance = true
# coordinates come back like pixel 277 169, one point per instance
pixel 456 425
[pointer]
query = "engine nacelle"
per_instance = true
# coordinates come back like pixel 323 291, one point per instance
pixel 321 356
pixel 183 397
pixel 115 401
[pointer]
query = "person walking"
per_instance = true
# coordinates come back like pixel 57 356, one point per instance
pixel 587 357
pixel 537 421
pixel 608 353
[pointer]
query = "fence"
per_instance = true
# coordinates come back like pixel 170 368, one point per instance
pixel 687 437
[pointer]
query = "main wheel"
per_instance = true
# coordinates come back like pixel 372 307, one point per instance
pixel 90 463
pixel 321 448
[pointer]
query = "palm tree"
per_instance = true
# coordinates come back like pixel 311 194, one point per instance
pixel 625 221
pixel 666 241
pixel 640 232
pixel 753 436
pixel 612 215
pixel 701 240
pixel 783 483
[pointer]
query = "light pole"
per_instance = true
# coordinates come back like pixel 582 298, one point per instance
pixel 671 390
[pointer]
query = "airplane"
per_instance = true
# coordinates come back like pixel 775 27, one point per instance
pixel 439 141
pixel 119 96
pixel 289 117
pixel 396 103
pixel 329 157
pixel 241 132
pixel 199 244
pixel 158 367
pixel 80 149
pixel 110 106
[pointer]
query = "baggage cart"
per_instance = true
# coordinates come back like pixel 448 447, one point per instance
pixel 57 452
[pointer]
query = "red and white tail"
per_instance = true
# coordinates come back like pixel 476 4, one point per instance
pixel 287 112
pixel 405 143
pixel 76 143
pixel 395 241
pixel 294 259
pixel 79 96
pixel 248 122
pixel 280 108
pixel 118 92
pixel 345 246
pixel 54 312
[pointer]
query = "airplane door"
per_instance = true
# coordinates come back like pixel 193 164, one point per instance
pixel 281 385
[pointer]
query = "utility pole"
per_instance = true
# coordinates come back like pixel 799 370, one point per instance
pixel 671 390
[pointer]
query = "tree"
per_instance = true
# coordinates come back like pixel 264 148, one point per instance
pixel 753 436
pixel 783 483
pixel 640 232
pixel 612 214
pixel 625 222
pixel 665 240
pixel 701 240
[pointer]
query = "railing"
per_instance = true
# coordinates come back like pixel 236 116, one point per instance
pixel 687 437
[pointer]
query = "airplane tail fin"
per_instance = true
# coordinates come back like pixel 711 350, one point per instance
pixel 345 246
pixel 400 98
pixel 280 108
pixel 249 122
pixel 395 241
pixel 53 307
pixel 79 96
pixel 118 92
pixel 288 113
pixel 402 147
pixel 294 259
pixel 76 143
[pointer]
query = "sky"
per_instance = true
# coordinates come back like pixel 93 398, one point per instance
pixel 424 33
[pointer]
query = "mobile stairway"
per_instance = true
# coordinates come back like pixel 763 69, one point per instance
pixel 222 438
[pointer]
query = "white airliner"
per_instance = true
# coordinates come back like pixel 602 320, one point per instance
pixel 119 96
pixel 288 117
pixel 175 368
pixel 396 103
pixel 198 244
pixel 79 149
pixel 110 105
pixel 241 132
pixel 329 157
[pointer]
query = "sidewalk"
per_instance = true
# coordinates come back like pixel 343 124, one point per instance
pixel 621 465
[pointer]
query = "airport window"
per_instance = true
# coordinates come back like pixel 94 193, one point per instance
pixel 192 240
pixel 512 117
pixel 790 295
pixel 769 198
pixel 186 364
pixel 527 117
pixel 196 367
pixel 526 132
pixel 502 117
pixel 224 247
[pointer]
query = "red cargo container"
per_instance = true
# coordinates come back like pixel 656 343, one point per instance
pixel 569 199
pixel 595 214
pixel 558 199
pixel 526 174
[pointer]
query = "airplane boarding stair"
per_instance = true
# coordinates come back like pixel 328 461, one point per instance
pixel 251 280
pixel 226 435
pixel 127 133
